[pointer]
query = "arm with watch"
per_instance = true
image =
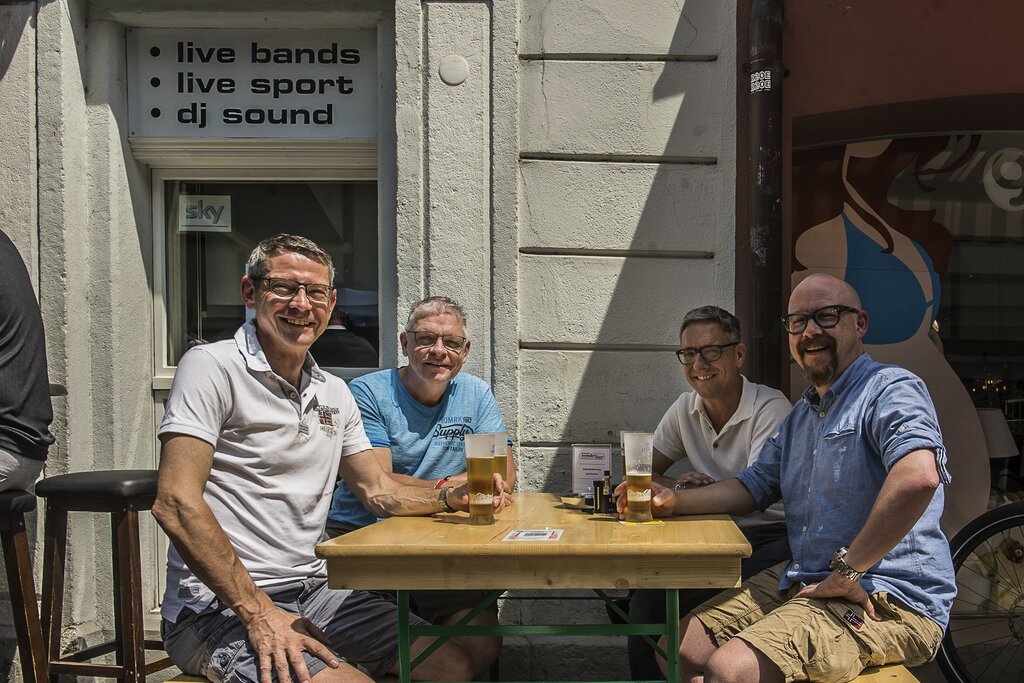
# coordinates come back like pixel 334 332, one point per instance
pixel 903 498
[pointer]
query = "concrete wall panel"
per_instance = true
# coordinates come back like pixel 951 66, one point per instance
pixel 658 27
pixel 583 396
pixel 675 109
pixel 621 206
pixel 610 300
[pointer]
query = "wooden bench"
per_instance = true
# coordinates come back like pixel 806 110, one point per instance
pixel 892 673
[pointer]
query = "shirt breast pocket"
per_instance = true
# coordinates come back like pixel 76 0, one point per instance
pixel 839 443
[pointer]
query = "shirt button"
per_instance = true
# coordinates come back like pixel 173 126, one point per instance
pixel 796 566
pixel 292 395
pixel 804 529
pixel 815 451
pixel 715 445
pixel 821 414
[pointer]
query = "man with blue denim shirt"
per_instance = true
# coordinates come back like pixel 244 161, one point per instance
pixel 859 464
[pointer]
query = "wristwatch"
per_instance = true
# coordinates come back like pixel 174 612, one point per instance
pixel 839 566
pixel 680 486
pixel 442 498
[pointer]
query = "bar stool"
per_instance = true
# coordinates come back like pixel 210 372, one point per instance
pixel 122 494
pixel 14 503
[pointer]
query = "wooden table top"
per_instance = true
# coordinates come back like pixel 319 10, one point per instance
pixel 594 551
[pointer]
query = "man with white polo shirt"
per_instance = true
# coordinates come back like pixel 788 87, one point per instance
pixel 254 437
pixel 719 428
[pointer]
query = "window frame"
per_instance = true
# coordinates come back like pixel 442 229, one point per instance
pixel 163 372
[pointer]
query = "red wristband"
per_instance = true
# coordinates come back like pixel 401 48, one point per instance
pixel 441 482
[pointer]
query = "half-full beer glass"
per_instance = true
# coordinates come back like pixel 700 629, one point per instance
pixel 639 448
pixel 480 471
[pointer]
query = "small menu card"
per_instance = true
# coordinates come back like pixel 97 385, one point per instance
pixel 589 462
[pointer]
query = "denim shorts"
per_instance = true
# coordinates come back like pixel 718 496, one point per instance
pixel 361 628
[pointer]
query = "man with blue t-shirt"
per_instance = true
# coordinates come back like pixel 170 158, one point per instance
pixel 415 418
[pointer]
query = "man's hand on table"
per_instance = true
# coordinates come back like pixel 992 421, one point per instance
pixel 663 500
pixel 280 638
pixel 459 497
pixel 694 479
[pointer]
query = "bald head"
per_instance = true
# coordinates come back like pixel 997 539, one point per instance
pixel 832 339
pixel 839 291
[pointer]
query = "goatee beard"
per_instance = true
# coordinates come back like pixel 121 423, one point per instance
pixel 821 375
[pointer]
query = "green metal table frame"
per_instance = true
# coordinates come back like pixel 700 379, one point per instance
pixel 407 632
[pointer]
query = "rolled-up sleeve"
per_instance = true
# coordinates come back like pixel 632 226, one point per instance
pixel 762 478
pixel 904 421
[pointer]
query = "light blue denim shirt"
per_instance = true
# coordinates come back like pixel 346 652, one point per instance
pixel 828 463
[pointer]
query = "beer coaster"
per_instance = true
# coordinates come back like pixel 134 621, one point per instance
pixel 533 535
pixel 655 522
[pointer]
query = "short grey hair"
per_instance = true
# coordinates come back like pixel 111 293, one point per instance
pixel 435 305
pixel 729 323
pixel 283 243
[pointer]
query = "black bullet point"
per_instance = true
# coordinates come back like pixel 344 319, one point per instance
pixel 155 112
pixel 155 51
pixel 155 82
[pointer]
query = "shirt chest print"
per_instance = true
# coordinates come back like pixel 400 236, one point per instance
pixel 325 416
pixel 454 427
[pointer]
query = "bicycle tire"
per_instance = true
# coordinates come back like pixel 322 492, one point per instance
pixel 984 642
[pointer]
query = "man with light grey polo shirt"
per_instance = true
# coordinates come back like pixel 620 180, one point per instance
pixel 719 428
pixel 253 439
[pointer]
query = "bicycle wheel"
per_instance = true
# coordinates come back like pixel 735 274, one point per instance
pixel 985 638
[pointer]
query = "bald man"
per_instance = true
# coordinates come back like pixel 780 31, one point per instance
pixel 860 466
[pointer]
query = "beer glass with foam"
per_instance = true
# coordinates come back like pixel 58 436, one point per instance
pixel 480 471
pixel 501 453
pixel 639 448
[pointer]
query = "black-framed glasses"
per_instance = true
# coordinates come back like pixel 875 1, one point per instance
pixel 709 353
pixel 287 289
pixel 426 340
pixel 826 318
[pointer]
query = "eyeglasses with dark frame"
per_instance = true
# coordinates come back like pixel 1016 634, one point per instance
pixel 709 353
pixel 283 288
pixel 825 317
pixel 426 340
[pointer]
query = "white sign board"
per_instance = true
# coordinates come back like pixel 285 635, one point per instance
pixel 204 213
pixel 589 462
pixel 231 83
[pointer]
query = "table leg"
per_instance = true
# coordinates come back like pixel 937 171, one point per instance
pixel 404 643
pixel 672 634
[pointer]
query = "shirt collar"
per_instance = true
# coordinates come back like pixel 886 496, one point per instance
pixel 256 360
pixel 850 375
pixel 743 411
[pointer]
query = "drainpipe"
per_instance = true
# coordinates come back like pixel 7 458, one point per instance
pixel 764 191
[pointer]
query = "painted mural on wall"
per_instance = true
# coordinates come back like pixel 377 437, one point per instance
pixel 868 212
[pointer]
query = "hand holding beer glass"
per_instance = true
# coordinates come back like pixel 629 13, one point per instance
pixel 480 475
pixel 501 454
pixel 639 450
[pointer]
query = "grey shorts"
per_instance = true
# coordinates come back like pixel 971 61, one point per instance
pixel 361 627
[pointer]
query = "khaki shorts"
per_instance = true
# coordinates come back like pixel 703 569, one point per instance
pixel 818 640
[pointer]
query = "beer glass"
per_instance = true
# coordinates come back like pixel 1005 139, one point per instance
pixel 639 448
pixel 480 471
pixel 501 453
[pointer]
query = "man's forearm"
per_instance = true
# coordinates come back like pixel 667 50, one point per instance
pixel 728 496
pixel 905 495
pixel 205 548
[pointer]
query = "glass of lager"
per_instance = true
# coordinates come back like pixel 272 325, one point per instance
pixel 501 453
pixel 639 448
pixel 480 472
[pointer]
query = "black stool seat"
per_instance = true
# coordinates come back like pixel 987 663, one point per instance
pixel 120 484
pixel 16 502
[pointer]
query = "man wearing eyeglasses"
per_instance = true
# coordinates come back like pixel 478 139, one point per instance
pixel 416 417
pixel 860 464
pixel 254 437
pixel 719 428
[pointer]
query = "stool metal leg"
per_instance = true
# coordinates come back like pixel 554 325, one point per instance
pixel 17 558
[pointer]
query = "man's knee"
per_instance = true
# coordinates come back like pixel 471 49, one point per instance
pixel 738 662
pixel 343 674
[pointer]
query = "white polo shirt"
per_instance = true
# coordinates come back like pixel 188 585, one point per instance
pixel 276 455
pixel 686 432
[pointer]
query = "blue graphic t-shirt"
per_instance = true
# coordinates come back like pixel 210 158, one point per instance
pixel 426 442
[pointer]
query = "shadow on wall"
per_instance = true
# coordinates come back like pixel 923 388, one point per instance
pixel 595 379
pixel 14 16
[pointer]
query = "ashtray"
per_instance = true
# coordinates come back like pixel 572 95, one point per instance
pixel 577 501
